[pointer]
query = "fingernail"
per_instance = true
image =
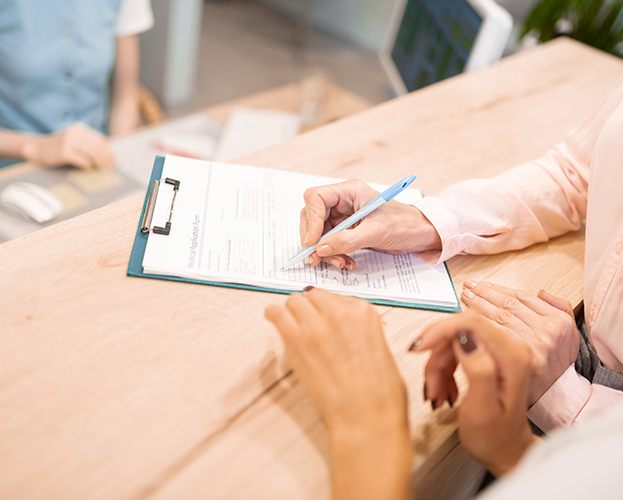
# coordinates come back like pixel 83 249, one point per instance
pixel 466 341
pixel 468 295
pixel 450 402
pixel 425 391
pixel 416 344
pixel 470 284
pixel 434 404
pixel 308 288
pixel 323 250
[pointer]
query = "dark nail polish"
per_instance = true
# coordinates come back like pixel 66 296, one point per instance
pixel 434 404
pixel 466 341
pixel 425 390
pixel 308 288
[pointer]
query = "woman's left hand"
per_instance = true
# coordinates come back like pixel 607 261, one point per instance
pixel 336 347
pixel 544 321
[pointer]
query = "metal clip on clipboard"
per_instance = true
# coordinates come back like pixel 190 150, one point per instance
pixel 151 205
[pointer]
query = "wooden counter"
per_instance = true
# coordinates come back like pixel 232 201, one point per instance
pixel 117 387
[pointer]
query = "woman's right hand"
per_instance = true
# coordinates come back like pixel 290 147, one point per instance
pixel 493 423
pixel 337 349
pixel 77 145
pixel 392 228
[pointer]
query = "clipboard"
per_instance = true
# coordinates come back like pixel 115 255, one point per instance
pixel 147 225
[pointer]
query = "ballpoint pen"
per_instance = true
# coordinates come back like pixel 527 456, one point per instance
pixel 387 195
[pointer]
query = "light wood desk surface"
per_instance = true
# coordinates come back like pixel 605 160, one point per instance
pixel 117 387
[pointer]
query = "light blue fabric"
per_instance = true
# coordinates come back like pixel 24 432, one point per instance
pixel 56 59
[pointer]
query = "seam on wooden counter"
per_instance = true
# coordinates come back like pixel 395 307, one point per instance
pixel 188 458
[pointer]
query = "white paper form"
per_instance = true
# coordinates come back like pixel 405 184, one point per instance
pixel 240 224
pixel 249 130
pixel 196 135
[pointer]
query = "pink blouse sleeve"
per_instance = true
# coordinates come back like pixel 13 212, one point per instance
pixel 572 398
pixel 528 204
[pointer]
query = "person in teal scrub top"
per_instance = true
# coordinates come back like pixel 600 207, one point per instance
pixel 68 78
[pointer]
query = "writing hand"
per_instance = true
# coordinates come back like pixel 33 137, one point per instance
pixel 393 228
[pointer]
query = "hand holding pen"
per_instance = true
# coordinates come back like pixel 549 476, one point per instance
pixel 393 227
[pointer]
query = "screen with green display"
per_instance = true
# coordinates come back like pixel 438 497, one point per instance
pixel 434 40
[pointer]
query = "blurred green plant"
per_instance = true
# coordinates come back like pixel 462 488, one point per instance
pixel 595 22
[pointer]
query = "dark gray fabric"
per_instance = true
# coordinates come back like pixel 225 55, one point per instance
pixel 590 366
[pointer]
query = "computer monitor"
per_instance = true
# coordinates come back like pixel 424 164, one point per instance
pixel 431 40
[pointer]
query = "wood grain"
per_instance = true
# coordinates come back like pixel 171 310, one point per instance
pixel 129 388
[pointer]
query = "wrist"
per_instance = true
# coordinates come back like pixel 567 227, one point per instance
pixel 390 432
pixel 390 447
pixel 18 145
pixel 29 147
pixel 355 426
pixel 425 236
pixel 510 456
pixel 371 465
pixel 359 435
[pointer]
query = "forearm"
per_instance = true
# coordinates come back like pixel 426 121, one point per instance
pixel 525 205
pixel 124 114
pixel 509 456
pixel 371 466
pixel 17 144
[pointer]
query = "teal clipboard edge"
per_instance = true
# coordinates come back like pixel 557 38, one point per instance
pixel 135 264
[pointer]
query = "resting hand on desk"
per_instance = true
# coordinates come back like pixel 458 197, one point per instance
pixel 393 228
pixel 545 322
pixel 77 145
pixel 337 350
pixel 336 347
